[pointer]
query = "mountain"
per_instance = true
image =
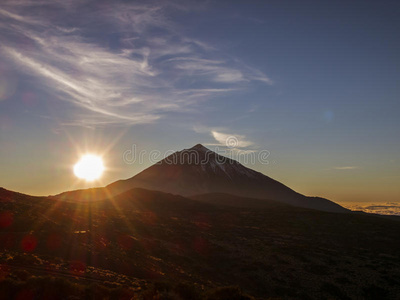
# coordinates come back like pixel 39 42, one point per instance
pixel 199 170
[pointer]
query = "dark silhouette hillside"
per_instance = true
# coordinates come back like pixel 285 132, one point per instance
pixel 129 242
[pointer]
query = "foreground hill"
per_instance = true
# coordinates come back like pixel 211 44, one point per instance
pixel 143 236
pixel 199 170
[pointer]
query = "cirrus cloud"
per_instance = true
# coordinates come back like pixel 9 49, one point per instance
pixel 123 63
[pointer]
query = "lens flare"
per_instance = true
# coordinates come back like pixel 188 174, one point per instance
pixel 90 167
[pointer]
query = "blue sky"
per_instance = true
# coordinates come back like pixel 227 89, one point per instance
pixel 316 83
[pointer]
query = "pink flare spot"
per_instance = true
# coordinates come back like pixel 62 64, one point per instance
pixel 77 268
pixel 29 243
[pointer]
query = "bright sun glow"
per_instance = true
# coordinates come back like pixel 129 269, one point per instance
pixel 90 167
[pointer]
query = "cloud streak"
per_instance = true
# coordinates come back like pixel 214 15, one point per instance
pixel 231 140
pixel 346 168
pixel 140 67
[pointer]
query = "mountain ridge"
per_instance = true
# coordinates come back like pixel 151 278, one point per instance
pixel 199 170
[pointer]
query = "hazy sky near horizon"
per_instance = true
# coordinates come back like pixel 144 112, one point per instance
pixel 316 83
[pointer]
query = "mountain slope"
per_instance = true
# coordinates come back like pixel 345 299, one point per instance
pixel 199 170
pixel 237 201
pixel 279 252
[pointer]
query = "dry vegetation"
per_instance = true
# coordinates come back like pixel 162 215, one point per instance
pixel 150 245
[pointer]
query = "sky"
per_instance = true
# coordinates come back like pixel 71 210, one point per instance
pixel 315 84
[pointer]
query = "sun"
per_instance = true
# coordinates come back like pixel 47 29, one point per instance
pixel 90 167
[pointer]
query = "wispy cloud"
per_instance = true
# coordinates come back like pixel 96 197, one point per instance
pixel 125 62
pixel 346 168
pixel 231 140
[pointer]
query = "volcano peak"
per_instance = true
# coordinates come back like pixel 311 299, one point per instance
pixel 199 147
